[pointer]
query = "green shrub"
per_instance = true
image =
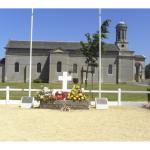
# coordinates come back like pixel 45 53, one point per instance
pixel 37 81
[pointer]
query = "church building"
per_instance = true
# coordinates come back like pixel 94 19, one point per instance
pixel 51 59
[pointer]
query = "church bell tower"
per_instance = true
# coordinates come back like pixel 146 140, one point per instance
pixel 121 36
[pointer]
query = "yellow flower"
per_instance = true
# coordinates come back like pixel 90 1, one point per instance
pixel 80 94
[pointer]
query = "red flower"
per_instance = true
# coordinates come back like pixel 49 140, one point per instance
pixel 60 95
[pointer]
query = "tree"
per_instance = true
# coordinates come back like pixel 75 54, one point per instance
pixel 91 49
pixel 147 71
pixel 104 32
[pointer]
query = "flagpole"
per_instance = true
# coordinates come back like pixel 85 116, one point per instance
pixel 30 67
pixel 100 58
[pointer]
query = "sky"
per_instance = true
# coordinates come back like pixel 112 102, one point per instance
pixel 138 33
pixel 72 24
pixel 49 25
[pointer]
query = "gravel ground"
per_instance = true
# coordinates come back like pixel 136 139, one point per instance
pixel 115 124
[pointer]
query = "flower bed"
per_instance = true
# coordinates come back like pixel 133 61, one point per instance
pixel 75 99
pixel 70 103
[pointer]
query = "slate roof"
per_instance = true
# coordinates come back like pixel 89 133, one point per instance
pixel 139 56
pixel 47 45
pixel 43 45
pixel 52 45
pixel 111 47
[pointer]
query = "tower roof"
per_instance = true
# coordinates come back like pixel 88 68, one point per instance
pixel 121 24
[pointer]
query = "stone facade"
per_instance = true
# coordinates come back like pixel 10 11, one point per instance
pixel 119 64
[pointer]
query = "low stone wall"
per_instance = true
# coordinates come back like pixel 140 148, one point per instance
pixel 72 104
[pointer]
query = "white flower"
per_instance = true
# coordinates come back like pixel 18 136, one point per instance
pixel 46 89
pixel 59 92
pixel 42 97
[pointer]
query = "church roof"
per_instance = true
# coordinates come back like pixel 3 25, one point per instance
pixel 110 47
pixel 53 45
pixel 43 45
pixel 140 56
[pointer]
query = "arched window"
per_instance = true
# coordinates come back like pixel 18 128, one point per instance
pixel 110 69
pixel 118 35
pixel 16 67
pixel 74 68
pixel 39 67
pixel 59 66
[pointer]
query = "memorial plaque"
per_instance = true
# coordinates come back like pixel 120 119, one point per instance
pixel 101 103
pixel 27 99
pixel 26 102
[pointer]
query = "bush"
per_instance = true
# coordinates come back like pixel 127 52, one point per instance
pixel 37 81
pixel 75 80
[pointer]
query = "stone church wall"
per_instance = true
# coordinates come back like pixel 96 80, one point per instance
pixel 126 69
pixel 23 74
pixel 106 61
pixel 2 73
pixel 67 65
pixel 49 61
pixel 54 58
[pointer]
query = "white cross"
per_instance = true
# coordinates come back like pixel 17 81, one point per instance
pixel 64 80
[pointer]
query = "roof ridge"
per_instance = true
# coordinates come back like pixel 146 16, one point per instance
pixel 44 41
pixel 43 44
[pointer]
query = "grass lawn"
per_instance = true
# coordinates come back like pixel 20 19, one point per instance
pixel 114 124
pixel 111 97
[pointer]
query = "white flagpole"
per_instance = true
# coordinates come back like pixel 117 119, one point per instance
pixel 30 67
pixel 100 58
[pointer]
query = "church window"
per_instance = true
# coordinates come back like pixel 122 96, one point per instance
pixel 59 66
pixel 122 45
pixel 16 67
pixel 74 68
pixel 39 67
pixel 119 35
pixel 110 69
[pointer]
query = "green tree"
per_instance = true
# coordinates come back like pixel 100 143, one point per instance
pixel 147 71
pixel 91 49
pixel 104 32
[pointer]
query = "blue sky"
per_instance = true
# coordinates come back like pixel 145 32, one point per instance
pixel 138 22
pixel 49 25
pixel 72 24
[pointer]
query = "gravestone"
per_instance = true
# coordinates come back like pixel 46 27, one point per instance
pixel 27 102
pixel 101 103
